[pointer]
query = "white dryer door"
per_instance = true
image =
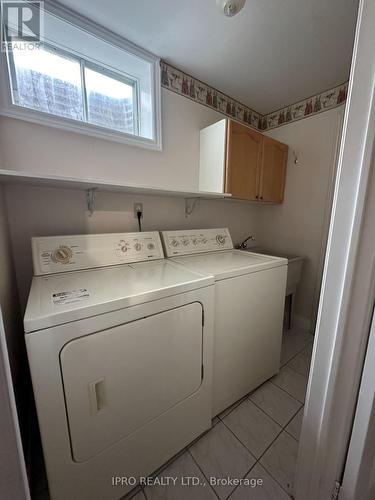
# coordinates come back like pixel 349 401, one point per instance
pixel 117 380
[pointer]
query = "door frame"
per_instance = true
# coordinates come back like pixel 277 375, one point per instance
pixel 347 295
pixel 361 455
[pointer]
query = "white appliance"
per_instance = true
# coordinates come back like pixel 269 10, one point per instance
pixel 249 308
pixel 119 342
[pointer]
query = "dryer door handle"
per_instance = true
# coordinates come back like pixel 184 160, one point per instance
pixel 97 396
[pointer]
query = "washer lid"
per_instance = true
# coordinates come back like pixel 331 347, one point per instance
pixel 229 263
pixel 62 298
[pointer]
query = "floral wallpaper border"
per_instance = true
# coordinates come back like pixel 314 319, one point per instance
pixel 318 103
pixel 184 84
pixel 181 83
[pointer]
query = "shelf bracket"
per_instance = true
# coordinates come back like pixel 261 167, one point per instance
pixel 90 200
pixel 190 204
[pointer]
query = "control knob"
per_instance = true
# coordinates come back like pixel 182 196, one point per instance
pixel 220 238
pixel 174 243
pixel 62 255
pixel 138 247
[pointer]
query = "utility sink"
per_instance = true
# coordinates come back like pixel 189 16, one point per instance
pixel 295 263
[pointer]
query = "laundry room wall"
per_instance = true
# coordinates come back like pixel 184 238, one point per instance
pixel 300 224
pixel 35 211
pixel 11 461
pixel 8 291
pixel 51 151
pixel 11 316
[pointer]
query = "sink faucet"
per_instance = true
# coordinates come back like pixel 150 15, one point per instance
pixel 243 244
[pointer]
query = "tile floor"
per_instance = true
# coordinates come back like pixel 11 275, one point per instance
pixel 255 439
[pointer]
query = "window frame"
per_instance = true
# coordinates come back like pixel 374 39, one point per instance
pixel 9 109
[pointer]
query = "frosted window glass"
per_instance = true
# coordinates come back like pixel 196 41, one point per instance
pixel 47 81
pixel 110 101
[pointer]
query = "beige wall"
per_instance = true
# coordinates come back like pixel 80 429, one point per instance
pixel 299 224
pixel 9 298
pixel 12 469
pixel 45 150
pixel 42 211
pixel 11 461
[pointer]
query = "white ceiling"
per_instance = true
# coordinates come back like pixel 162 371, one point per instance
pixel 273 53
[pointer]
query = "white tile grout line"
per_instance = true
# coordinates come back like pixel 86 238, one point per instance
pixel 297 353
pixel 204 475
pixel 246 473
pixel 283 429
pixel 291 395
pixel 269 416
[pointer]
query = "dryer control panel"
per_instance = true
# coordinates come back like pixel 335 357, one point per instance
pixel 190 241
pixel 57 254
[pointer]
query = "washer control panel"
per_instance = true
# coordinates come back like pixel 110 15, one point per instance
pixel 192 241
pixel 57 254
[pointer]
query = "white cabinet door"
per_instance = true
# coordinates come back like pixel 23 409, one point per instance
pixel 212 157
pixel 118 380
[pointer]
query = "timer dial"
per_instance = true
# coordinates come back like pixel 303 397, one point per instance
pixel 62 255
pixel 220 238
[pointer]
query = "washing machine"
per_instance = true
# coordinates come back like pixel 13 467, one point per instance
pixel 119 342
pixel 249 308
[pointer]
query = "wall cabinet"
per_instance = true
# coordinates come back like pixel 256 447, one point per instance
pixel 239 160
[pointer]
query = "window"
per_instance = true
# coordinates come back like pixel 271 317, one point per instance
pixel 47 80
pixel 78 80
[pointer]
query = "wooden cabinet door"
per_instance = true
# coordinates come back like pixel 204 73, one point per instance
pixel 273 171
pixel 244 150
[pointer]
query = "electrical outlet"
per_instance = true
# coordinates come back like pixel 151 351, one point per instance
pixel 138 207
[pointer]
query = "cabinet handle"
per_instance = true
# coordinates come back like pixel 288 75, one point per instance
pixel 261 197
pixel 256 197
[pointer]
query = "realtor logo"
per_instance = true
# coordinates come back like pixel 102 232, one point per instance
pixel 21 22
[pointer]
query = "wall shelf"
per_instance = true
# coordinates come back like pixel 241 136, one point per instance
pixel 26 178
